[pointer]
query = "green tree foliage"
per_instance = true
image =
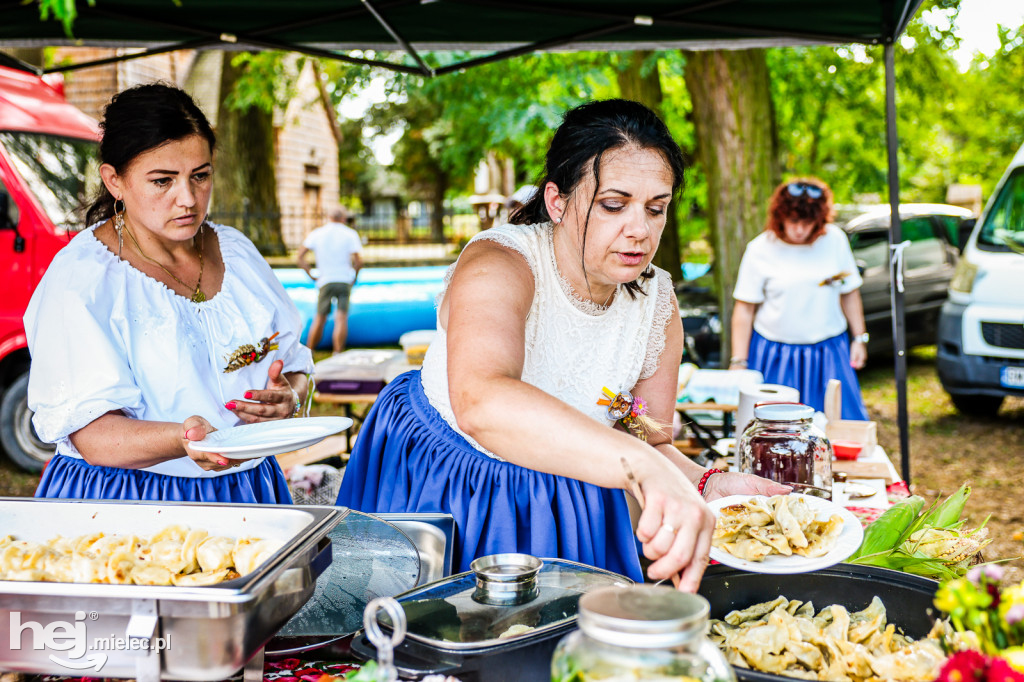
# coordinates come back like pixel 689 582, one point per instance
pixel 954 126
pixel 989 116
pixel 509 108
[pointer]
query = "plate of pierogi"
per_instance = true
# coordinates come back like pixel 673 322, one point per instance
pixel 782 534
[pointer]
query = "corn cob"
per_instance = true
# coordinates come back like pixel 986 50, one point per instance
pixel 945 514
pixel 929 544
pixel 951 546
pixel 885 533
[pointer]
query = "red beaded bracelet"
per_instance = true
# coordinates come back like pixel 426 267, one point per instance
pixel 704 479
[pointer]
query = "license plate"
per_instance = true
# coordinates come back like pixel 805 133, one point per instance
pixel 1012 377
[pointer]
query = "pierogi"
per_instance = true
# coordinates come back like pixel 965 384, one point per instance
pixel 176 555
pixel 784 525
pixel 788 638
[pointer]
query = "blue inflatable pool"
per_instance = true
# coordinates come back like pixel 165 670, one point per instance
pixel 385 303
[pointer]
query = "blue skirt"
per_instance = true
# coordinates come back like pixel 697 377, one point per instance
pixel 808 368
pixel 75 479
pixel 408 459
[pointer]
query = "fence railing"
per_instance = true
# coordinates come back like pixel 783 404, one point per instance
pixel 277 232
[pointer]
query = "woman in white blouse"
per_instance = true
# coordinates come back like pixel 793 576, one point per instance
pixel 154 328
pixel 504 426
pixel 797 298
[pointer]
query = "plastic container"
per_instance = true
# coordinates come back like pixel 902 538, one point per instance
pixel 415 344
pixel 846 449
pixel 645 632
pixel 783 444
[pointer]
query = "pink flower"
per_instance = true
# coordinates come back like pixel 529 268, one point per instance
pixel 639 407
pixel 1015 614
pixel 963 666
pixel 1000 671
pixel 992 573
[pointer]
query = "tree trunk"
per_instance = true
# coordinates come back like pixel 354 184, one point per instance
pixel 644 85
pixel 737 145
pixel 438 190
pixel 245 183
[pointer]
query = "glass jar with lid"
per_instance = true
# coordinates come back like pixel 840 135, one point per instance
pixel 644 632
pixel 783 444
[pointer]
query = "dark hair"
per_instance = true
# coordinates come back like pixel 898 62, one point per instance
pixel 586 133
pixel 804 208
pixel 140 119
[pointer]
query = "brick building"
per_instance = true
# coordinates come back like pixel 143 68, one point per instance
pixel 306 149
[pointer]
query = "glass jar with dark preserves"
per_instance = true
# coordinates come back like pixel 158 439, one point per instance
pixel 642 633
pixel 784 445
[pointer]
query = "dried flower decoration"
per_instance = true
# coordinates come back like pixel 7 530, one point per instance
pixel 631 412
pixel 247 354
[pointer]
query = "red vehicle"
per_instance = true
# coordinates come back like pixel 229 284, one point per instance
pixel 48 160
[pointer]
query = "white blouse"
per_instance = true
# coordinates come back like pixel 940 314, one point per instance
pixel 573 347
pixel 105 336
pixel 797 286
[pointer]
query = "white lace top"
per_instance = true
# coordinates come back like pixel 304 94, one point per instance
pixel 573 347
pixel 105 336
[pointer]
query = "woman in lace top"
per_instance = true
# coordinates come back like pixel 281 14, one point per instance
pixel 502 427
pixel 133 328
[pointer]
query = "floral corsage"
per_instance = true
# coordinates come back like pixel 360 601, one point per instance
pixel 630 411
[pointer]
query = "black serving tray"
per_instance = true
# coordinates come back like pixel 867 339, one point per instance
pixel 907 598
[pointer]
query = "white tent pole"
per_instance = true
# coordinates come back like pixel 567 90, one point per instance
pixel 896 264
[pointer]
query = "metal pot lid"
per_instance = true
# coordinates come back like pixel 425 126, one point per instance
pixel 457 614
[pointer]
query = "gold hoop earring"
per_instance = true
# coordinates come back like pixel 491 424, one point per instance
pixel 119 224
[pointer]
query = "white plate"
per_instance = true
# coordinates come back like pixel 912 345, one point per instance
pixel 265 439
pixel 846 544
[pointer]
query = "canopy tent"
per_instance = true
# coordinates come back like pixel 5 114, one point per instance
pixel 500 28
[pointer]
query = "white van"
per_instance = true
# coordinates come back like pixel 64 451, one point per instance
pixel 981 327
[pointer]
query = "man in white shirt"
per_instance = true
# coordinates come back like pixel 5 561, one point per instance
pixel 338 253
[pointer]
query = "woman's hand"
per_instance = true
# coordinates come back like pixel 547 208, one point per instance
pixel 277 401
pixel 858 354
pixel 731 483
pixel 196 428
pixel 675 528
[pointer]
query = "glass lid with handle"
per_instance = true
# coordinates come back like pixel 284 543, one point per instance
pixel 504 596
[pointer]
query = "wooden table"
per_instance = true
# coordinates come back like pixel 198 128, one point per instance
pixel 727 418
pixel 347 400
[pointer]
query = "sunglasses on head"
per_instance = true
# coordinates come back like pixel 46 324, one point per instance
pixel 797 189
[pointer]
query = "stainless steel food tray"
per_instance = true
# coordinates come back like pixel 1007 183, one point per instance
pixel 115 630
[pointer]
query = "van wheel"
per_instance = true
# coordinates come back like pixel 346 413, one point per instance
pixel 17 436
pixel 977 405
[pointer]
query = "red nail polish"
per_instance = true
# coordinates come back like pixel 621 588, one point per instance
pixel 223 463
pixel 230 405
pixel 248 395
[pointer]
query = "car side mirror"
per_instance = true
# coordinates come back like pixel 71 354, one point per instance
pixel 964 232
pixel 9 221
pixel 8 218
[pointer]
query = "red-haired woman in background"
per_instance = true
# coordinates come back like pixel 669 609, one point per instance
pixel 798 316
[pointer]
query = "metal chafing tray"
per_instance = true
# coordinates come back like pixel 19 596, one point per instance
pixel 207 633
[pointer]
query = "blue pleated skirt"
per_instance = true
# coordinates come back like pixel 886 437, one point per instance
pixel 408 459
pixel 808 368
pixel 75 479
